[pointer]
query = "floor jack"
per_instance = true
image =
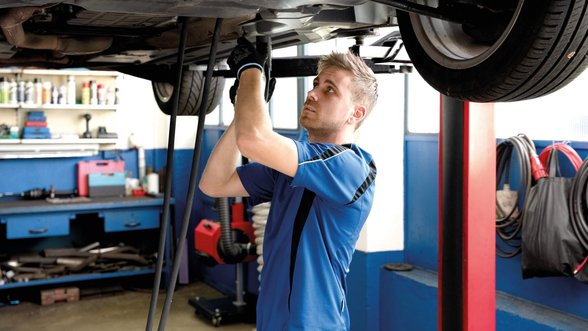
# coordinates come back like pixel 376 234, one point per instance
pixel 221 243
pixel 227 310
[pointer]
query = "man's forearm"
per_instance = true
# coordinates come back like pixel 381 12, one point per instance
pixel 252 121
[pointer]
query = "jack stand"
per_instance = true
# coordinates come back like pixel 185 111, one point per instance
pixel 226 310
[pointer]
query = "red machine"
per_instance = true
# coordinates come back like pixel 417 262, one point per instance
pixel 208 237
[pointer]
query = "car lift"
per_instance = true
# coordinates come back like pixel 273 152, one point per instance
pixel 305 66
pixel 467 235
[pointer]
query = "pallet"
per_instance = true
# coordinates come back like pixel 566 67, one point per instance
pixel 49 297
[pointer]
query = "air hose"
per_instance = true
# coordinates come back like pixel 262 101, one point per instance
pixel 578 205
pixel 510 204
pixel 232 251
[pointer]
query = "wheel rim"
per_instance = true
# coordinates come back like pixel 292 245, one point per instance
pixel 447 44
pixel 163 91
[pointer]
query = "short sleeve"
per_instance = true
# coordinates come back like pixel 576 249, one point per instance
pixel 333 172
pixel 258 180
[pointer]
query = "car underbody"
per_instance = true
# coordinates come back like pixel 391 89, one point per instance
pixel 451 43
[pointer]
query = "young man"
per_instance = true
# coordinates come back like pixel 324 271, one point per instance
pixel 306 256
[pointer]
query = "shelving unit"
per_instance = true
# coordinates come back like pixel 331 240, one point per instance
pixel 46 148
pixel 56 147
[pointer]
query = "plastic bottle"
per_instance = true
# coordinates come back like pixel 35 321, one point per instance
pixel 93 93
pixel 38 91
pixel 29 96
pixel 62 98
pixel 110 96
pixel 47 93
pixel 54 95
pixel 3 90
pixel 20 91
pixel 71 90
pixel 85 93
pixel 12 92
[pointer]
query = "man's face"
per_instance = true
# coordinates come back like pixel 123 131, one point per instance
pixel 328 105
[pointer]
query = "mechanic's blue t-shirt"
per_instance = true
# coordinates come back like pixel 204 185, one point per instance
pixel 342 179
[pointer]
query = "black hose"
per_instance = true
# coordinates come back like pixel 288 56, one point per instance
pixel 509 226
pixel 232 252
pixel 168 178
pixel 193 176
pixel 578 204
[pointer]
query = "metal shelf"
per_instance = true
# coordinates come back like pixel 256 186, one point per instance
pixel 51 148
pixel 25 106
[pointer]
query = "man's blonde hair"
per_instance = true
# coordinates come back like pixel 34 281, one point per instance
pixel 364 83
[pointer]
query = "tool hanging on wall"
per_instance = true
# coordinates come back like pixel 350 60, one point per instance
pixel 509 202
pixel 550 246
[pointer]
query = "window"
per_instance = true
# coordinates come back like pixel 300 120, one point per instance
pixel 283 105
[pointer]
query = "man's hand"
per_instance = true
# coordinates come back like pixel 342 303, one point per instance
pixel 235 87
pixel 245 56
pixel 233 91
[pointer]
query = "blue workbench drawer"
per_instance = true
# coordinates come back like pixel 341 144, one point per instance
pixel 131 219
pixel 36 225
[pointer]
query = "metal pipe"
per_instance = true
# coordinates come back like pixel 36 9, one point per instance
pixel 193 174
pixel 11 25
pixel 168 179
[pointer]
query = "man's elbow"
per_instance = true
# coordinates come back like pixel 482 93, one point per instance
pixel 247 144
pixel 208 188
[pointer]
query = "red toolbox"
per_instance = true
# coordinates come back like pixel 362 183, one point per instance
pixel 96 166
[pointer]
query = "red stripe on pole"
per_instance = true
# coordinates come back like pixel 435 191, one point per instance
pixel 479 234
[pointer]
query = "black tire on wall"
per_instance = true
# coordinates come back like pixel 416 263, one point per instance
pixel 539 49
pixel 191 94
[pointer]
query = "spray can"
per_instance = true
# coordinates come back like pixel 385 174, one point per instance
pixel 71 90
pixel 85 93
pixel 101 94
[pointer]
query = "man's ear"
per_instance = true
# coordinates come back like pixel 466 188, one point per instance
pixel 359 113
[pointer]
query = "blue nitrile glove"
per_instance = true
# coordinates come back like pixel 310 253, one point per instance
pixel 245 56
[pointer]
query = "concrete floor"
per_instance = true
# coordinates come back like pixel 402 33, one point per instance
pixel 121 311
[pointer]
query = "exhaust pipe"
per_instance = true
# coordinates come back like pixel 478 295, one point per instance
pixel 11 25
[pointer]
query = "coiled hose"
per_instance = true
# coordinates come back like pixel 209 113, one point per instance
pixel 232 252
pixel 578 205
pixel 509 215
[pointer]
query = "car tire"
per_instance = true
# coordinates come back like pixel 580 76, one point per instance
pixel 191 94
pixel 542 48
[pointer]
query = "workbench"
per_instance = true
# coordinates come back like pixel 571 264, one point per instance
pixel 34 225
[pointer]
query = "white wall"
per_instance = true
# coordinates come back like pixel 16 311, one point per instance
pixel 140 116
pixel 382 134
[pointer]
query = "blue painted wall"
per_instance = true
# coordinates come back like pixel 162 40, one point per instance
pixel 421 206
pixel 372 296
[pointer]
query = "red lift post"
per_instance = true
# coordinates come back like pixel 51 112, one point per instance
pixel 467 185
